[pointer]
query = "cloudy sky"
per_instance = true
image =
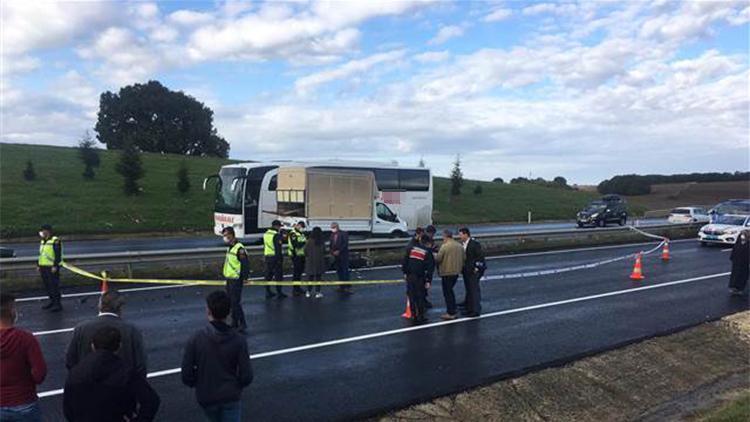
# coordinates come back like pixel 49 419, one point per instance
pixel 579 89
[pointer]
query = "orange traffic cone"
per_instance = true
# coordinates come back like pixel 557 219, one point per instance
pixel 407 312
pixel 105 287
pixel 637 271
pixel 665 251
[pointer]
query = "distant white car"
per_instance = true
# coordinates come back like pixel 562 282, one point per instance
pixel 688 215
pixel 724 230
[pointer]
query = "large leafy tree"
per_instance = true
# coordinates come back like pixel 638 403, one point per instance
pixel 160 120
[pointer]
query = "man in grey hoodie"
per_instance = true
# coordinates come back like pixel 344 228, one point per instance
pixel 217 363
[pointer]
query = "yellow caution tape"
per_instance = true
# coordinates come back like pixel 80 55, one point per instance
pixel 87 274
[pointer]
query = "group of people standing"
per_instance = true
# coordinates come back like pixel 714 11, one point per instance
pixel 451 259
pixel 107 367
pixel 308 256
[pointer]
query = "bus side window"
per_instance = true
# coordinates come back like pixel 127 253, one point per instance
pixel 273 183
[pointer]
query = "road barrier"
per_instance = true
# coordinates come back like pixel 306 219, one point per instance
pixel 200 256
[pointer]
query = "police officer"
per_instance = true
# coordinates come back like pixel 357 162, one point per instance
pixel 418 265
pixel 273 240
pixel 50 258
pixel 296 248
pixel 236 269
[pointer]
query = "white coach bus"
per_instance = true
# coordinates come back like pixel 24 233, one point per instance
pixel 246 196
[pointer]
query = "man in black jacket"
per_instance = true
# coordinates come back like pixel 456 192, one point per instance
pixel 418 265
pixel 473 271
pixel 217 363
pixel 110 311
pixel 103 388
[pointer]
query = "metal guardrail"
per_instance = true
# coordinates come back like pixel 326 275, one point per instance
pixel 28 263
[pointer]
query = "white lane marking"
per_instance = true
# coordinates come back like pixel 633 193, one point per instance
pixel 439 324
pixel 382 267
pixel 44 333
pixel 727 250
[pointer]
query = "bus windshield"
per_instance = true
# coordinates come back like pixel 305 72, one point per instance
pixel 229 200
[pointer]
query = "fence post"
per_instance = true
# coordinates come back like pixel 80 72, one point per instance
pixel 529 217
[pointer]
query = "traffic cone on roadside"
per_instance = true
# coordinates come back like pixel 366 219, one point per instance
pixel 105 287
pixel 637 273
pixel 665 251
pixel 407 312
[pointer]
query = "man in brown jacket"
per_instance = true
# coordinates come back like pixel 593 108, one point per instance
pixel 450 261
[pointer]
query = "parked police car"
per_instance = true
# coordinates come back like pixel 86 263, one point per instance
pixel 725 229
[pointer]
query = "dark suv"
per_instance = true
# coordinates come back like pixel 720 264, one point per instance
pixel 609 209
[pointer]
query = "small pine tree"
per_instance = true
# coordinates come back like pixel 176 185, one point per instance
pixel 421 162
pixel 130 168
pixel 183 181
pixel 29 174
pixel 88 154
pixel 478 189
pixel 457 177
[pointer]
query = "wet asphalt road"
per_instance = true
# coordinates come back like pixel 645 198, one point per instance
pixel 23 249
pixel 361 377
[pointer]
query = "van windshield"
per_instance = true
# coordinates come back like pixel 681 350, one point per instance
pixel 229 200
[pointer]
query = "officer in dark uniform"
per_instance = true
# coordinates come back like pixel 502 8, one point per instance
pixel 296 241
pixel 273 239
pixel 418 265
pixel 50 258
pixel 236 270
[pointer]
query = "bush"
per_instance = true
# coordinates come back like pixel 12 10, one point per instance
pixel 498 180
pixel 89 155
pixel 28 173
pixel 183 181
pixel 131 169
pixel 478 189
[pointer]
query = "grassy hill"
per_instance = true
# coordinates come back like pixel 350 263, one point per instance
pixel 61 197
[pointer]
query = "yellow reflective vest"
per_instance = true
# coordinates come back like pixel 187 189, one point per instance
pixel 300 238
pixel 232 264
pixel 269 247
pixel 47 252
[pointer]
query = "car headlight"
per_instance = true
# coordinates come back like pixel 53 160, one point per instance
pixel 594 215
pixel 732 231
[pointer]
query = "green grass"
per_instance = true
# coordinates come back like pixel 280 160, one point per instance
pixel 737 410
pixel 61 197
pixel 505 202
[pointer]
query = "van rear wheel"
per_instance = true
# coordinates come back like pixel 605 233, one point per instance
pixel 623 220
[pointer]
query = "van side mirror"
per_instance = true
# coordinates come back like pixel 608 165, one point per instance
pixel 205 181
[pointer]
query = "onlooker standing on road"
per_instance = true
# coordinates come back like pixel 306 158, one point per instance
pixel 339 248
pixel 22 367
pixel 217 363
pixel 296 248
pixel 236 270
pixel 102 387
pixel 315 260
pixel 740 264
pixel 450 261
pixel 430 232
pixel 272 253
pixel 418 265
pixel 50 258
pixel 473 270
pixel 414 240
pixel 110 311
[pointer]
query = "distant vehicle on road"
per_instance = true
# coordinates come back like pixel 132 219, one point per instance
pixel 730 206
pixel 609 209
pixel 688 215
pixel 725 229
pixel 6 252
pixel 247 197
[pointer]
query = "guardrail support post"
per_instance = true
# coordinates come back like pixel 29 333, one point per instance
pixel 129 269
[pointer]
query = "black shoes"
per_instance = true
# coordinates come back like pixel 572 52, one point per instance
pixel 281 295
pixel 55 308
pixel 270 294
pixel 427 304
pixel 49 305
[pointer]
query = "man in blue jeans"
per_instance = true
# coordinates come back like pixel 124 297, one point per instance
pixel 217 363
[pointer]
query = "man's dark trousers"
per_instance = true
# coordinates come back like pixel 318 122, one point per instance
pixel 473 293
pixel 450 298
pixel 298 267
pixel 274 271
pixel 416 291
pixel 234 291
pixel 51 283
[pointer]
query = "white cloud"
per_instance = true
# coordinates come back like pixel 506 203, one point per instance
pixel 445 33
pixel 498 15
pixel 433 56
pixel 310 82
pixel 190 18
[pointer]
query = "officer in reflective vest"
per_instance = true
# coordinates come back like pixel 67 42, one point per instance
pixel 236 269
pixel 296 249
pixel 273 239
pixel 50 258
